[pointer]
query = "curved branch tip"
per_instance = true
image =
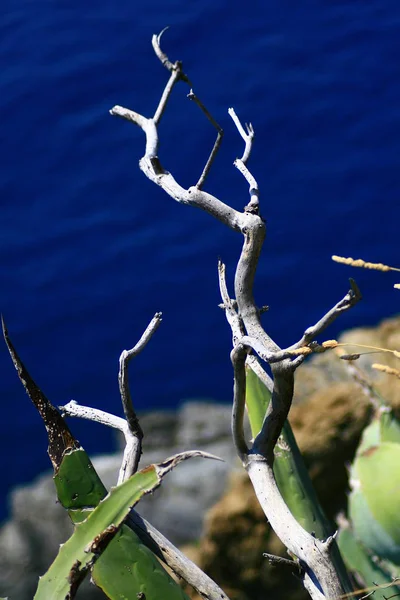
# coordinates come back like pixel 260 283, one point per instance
pixel 159 36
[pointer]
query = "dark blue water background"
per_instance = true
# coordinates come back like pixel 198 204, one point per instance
pixel 90 249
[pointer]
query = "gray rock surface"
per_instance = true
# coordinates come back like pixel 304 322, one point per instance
pixel 30 540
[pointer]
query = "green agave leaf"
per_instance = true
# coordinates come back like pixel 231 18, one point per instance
pixel 59 435
pixel 127 569
pixel 257 400
pixel 384 427
pixel 79 553
pixel 390 427
pixel 99 532
pixel 371 436
pixel 375 500
pixel 296 487
pixel 368 530
pixel 78 486
pixel 360 562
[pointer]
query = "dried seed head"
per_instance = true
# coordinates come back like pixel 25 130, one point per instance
pixel 386 369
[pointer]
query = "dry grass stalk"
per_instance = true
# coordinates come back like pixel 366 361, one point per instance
pixel 386 369
pixel 363 264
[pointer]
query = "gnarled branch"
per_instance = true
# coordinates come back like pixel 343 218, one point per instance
pixel 319 574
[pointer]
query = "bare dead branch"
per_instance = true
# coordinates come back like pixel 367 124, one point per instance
pixel 350 299
pixel 124 359
pixel 220 134
pixel 238 358
pixel 240 163
pixel 253 205
pixel 73 409
pixel 363 382
pixel 231 314
pixel 133 452
pixel 163 58
pixel 174 78
pixel 248 135
pixel 129 426
pixel 279 561
pixel 176 71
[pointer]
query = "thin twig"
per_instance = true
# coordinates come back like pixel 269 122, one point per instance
pixel 350 299
pixel 248 135
pixel 240 163
pixel 238 358
pixel 231 314
pixel 279 561
pixel 130 427
pixel 363 382
pixel 176 71
pixel 174 78
pixel 163 58
pixel 132 456
pixel 73 409
pixel 131 453
pixel 220 134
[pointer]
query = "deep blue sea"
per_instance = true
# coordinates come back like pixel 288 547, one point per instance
pixel 90 249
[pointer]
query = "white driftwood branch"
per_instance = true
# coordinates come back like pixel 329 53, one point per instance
pixel 319 574
pixel 129 426
pixel 348 301
pixel 220 132
pixel 73 409
pixel 133 449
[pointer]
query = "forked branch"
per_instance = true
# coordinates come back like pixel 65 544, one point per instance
pixel 133 450
pixel 129 426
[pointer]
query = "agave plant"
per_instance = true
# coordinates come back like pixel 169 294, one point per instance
pixel 101 544
pixel 375 480
pixel 370 539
